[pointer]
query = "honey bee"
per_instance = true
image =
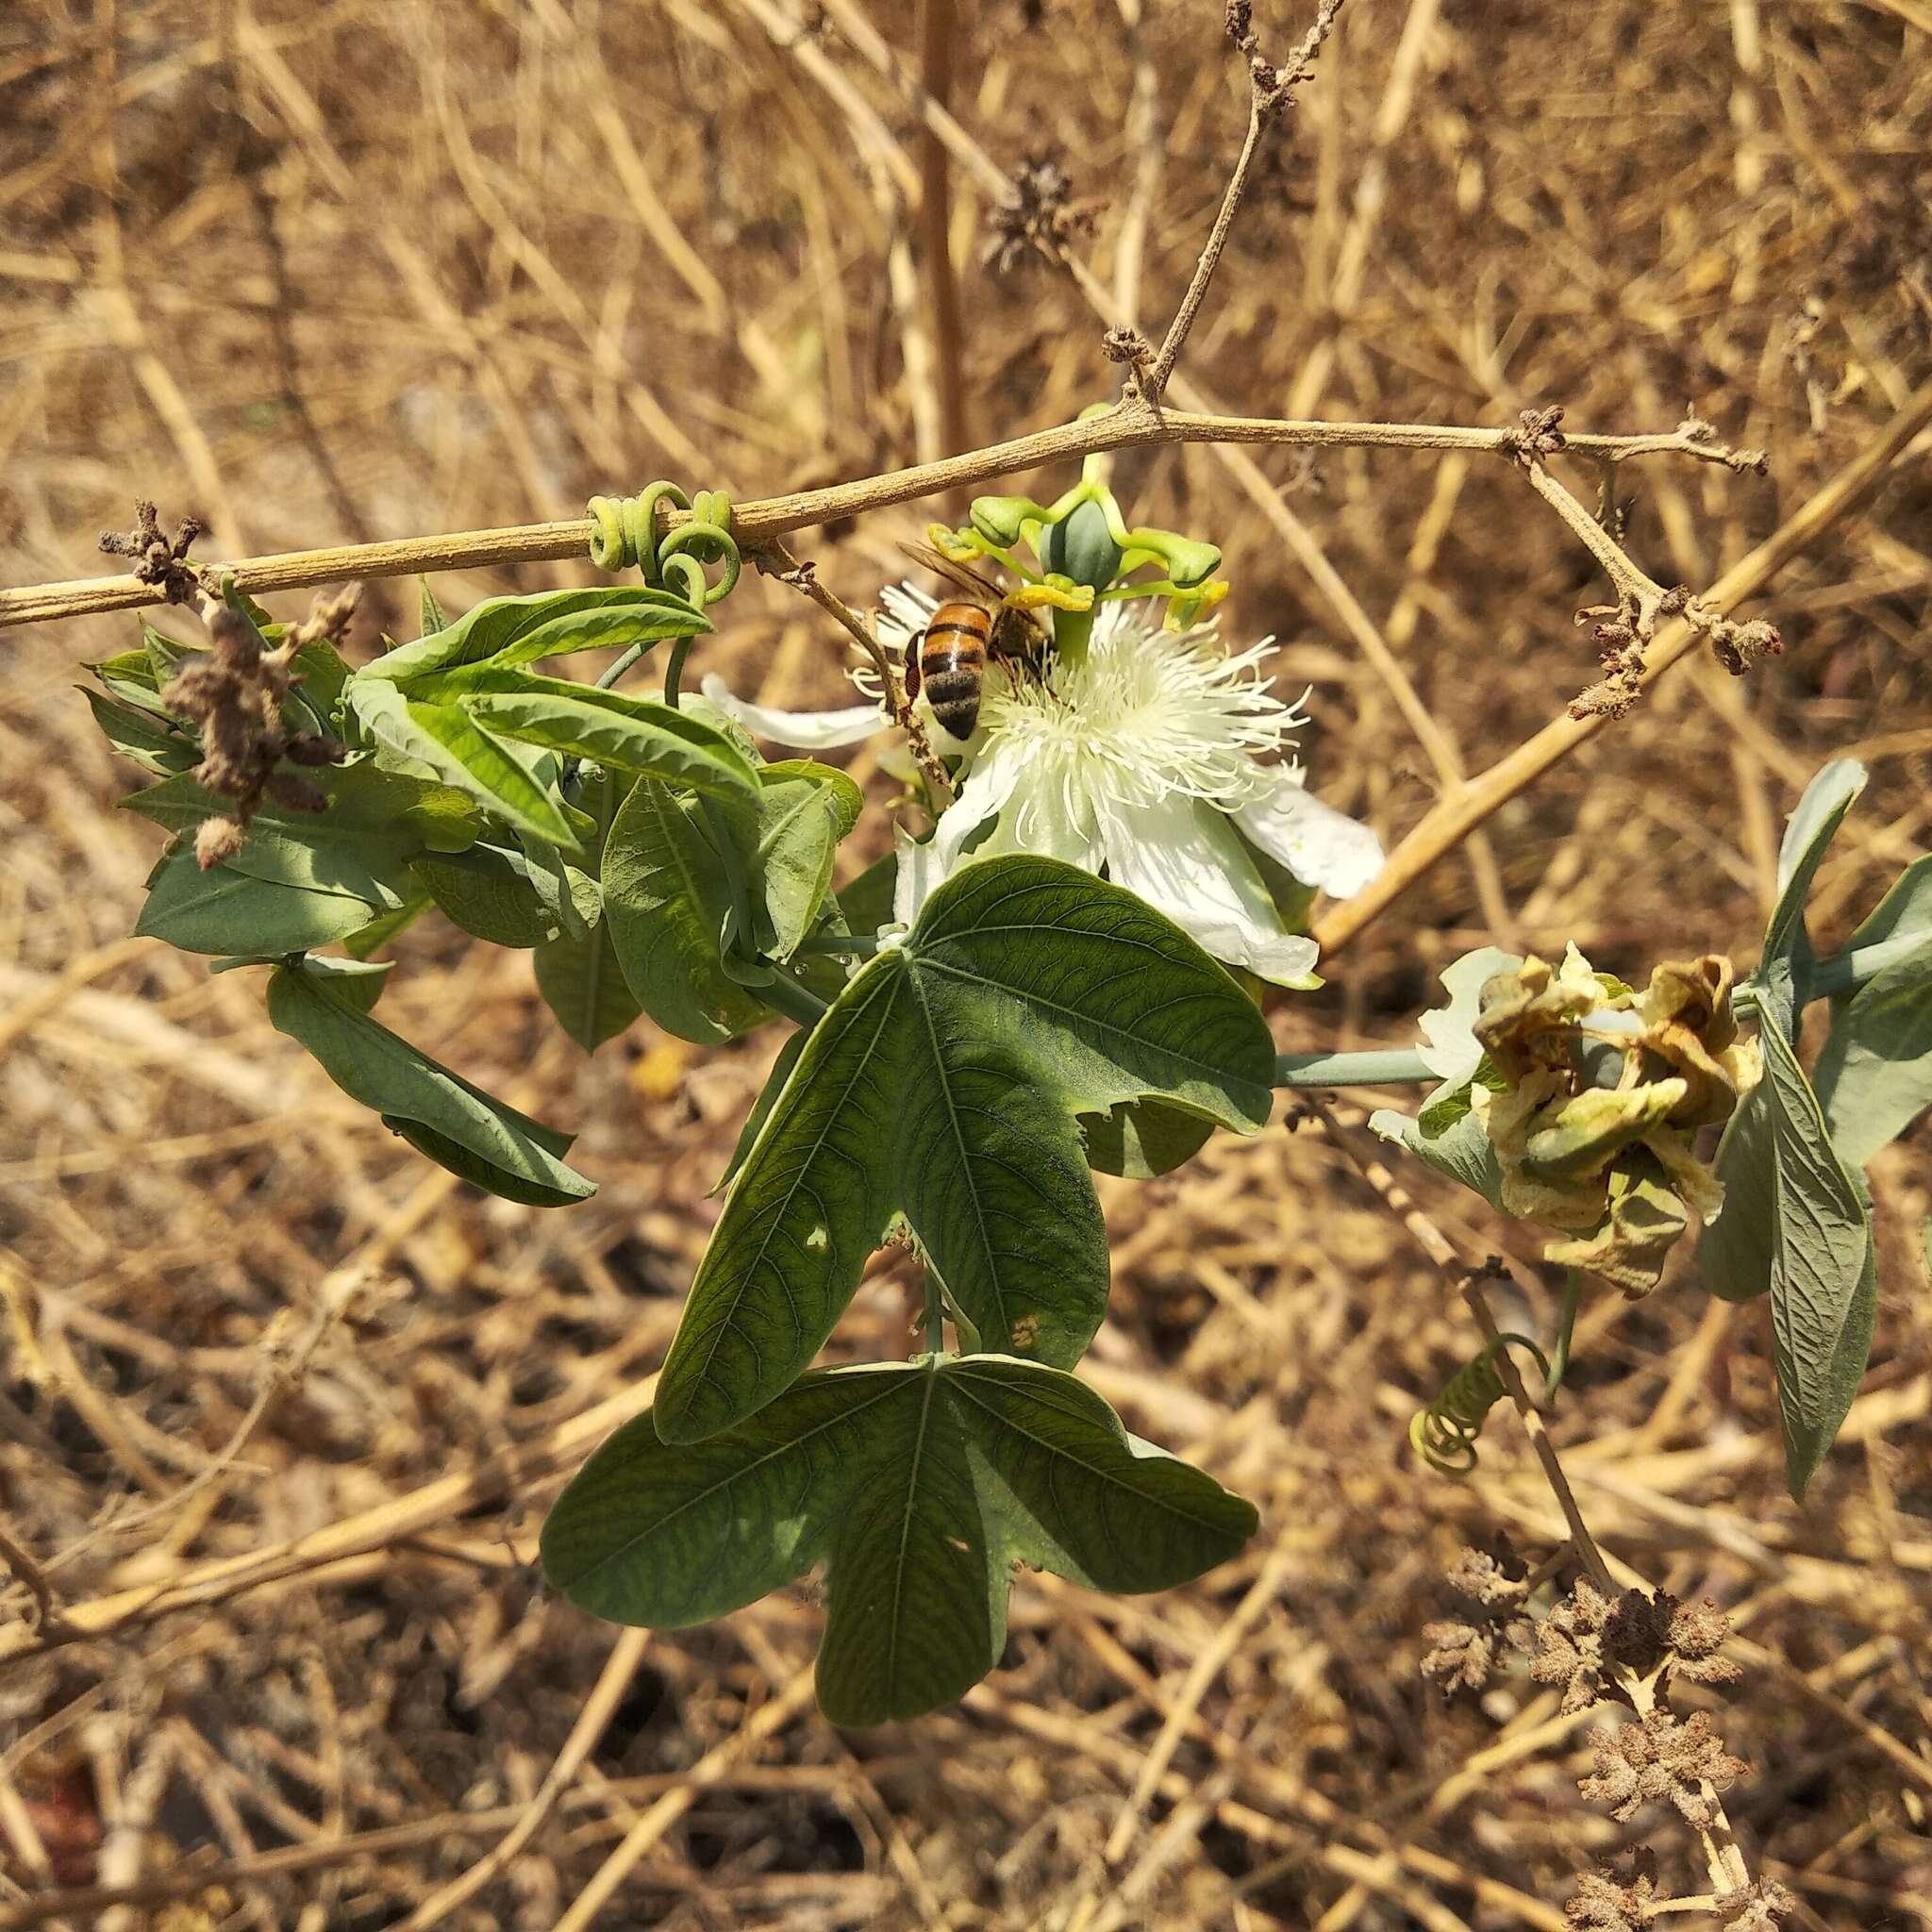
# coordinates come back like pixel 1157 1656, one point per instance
pixel 949 656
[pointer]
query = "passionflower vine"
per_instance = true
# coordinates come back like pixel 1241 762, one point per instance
pixel 1149 755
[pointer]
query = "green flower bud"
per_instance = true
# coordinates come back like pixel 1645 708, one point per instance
pixel 1081 548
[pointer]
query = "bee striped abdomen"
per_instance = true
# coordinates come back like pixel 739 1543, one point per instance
pixel 951 665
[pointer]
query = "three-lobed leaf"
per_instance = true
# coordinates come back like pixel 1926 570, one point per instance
pixel 921 1484
pixel 943 1086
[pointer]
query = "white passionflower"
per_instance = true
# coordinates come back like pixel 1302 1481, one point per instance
pixel 1150 755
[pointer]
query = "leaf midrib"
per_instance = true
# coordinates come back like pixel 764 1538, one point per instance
pixel 1217 1077
pixel 731 1320
pixel 860 1405
pixel 961 1377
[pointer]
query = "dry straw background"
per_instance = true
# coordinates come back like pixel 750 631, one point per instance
pixel 281 1406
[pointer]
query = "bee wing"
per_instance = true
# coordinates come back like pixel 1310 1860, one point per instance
pixel 958 575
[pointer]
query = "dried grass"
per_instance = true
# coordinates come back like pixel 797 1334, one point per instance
pixel 318 274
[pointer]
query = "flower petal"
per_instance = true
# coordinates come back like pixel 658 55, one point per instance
pixel 1319 845
pixel 985 794
pixel 801 730
pixel 920 871
pixel 1183 857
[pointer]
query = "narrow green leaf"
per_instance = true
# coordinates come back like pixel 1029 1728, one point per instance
pixel 448 742
pixel 127 667
pixel 1786 962
pixel 505 631
pixel 943 1085
pixel 375 822
pixel 429 617
pixel 1905 910
pixel 667 899
pixel 226 910
pixel 1796 1223
pixel 804 810
pixel 1875 1074
pixel 503 1150
pixel 641 736
pixel 922 1485
pixel 165 655
pixel 583 985
pixel 143 736
pixel 322 676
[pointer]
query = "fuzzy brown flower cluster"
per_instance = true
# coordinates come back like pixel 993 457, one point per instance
pixel 233 694
pixel 1663 1757
pixel 1041 217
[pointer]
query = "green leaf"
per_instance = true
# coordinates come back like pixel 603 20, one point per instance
pixel 865 904
pixel 375 822
pixel 805 810
pixel 943 1084
pixel 429 617
pixel 165 655
pixel 1875 1074
pixel 1450 1139
pixel 1903 913
pixel 642 736
pixel 385 926
pixel 1797 1222
pixel 667 899
pixel 432 1108
pixel 128 667
pixel 143 736
pixel 921 1485
pixel 226 910
pixel 322 676
pixel 583 985
pixel 448 741
pixel 761 1108
pixel 504 631
pixel 1785 963
pixel 496 893
pixel 1142 1140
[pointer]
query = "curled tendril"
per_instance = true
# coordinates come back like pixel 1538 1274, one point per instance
pixel 1445 1434
pixel 625 532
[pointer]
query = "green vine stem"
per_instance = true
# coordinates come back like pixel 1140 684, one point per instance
pixel 1566 1327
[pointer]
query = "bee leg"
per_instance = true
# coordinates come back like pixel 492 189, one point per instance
pixel 912 668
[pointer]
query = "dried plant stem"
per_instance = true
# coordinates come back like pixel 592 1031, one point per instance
pixel 1132 424
pixel 626 1654
pixel 936 29
pixel 1469 1280
pixel 382 1527
pixel 649 1829
pixel 803 577
pixel 1726 1861
pixel 1153 384
pixel 1723 1858
pixel 1458 815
